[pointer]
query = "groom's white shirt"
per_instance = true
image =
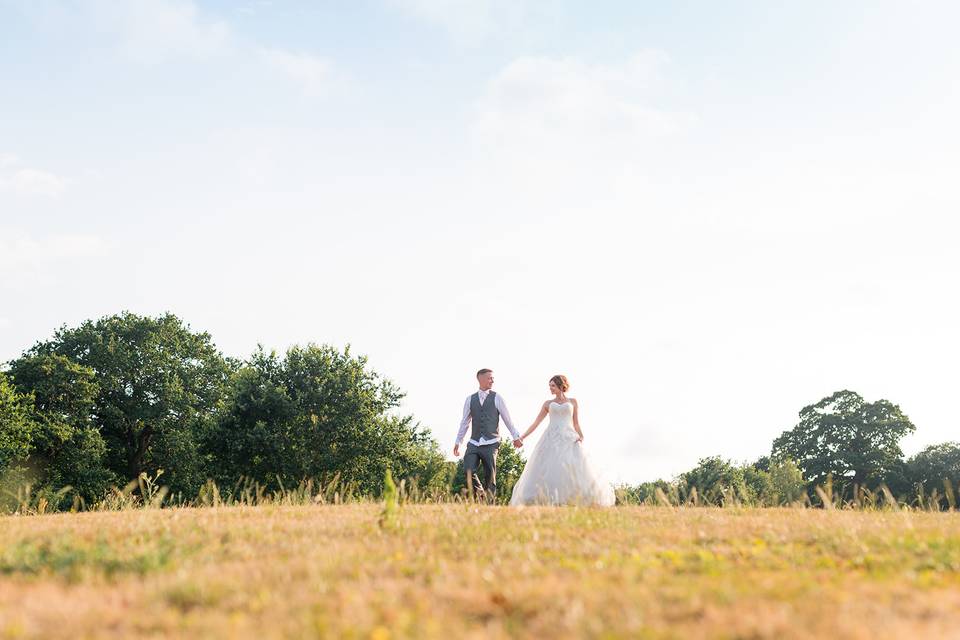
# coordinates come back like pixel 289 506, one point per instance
pixel 504 415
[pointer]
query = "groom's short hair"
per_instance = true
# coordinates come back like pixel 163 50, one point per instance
pixel 483 371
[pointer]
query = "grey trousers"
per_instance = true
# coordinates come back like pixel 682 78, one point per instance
pixel 485 455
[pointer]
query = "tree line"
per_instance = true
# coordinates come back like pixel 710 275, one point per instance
pixel 843 451
pixel 105 403
pixel 127 397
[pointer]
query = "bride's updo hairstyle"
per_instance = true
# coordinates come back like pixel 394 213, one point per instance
pixel 561 382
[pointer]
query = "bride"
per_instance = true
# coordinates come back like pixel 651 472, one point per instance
pixel 558 471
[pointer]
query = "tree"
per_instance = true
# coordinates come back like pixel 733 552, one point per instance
pixel 756 480
pixel 159 385
pixel 786 482
pixel 931 468
pixel 510 465
pixel 714 477
pixel 646 492
pixel 316 412
pixel 17 427
pixel 256 428
pixel 856 441
pixel 67 448
pixel 430 469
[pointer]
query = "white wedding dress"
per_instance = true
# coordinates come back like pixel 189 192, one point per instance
pixel 559 471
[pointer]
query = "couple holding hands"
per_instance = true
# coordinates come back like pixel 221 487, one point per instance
pixel 557 472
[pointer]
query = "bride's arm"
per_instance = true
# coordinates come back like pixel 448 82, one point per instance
pixel 536 423
pixel 576 419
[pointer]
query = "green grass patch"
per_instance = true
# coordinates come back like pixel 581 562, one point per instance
pixel 74 559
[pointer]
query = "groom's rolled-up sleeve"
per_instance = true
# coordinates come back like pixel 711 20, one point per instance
pixel 505 416
pixel 464 422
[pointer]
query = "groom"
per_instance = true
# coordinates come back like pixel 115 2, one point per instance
pixel 484 409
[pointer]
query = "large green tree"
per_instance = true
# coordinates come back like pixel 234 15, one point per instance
pixel 159 385
pixel 843 435
pixel 315 412
pixel 17 426
pixel 67 448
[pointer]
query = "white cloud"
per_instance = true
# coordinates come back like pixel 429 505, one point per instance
pixel 471 21
pixel 543 113
pixel 160 31
pixel 28 262
pixel 20 252
pixel 255 7
pixel 35 183
pixel 310 72
pixel 8 160
pixel 156 30
pixel 146 31
pixel 26 181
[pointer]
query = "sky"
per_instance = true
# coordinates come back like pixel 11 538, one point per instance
pixel 707 215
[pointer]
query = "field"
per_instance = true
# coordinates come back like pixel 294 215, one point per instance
pixel 439 571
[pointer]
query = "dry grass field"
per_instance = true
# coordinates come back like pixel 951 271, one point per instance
pixel 459 571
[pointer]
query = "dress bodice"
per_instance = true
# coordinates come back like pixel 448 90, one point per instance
pixel 561 412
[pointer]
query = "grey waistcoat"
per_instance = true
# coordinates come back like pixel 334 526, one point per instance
pixel 485 418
